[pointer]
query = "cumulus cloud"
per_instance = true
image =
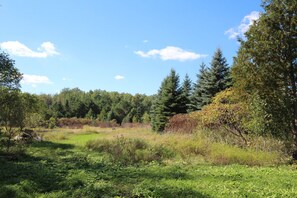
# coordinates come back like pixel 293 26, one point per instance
pixel 18 49
pixel 33 80
pixel 171 53
pixel 244 26
pixel 119 77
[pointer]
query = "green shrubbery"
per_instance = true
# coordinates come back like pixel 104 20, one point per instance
pixel 125 151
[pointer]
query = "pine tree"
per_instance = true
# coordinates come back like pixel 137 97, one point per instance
pixel 197 101
pixel 167 102
pixel 219 76
pixel 186 91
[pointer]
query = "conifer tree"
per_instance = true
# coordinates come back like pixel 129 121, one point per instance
pixel 186 91
pixel 219 76
pixel 197 101
pixel 167 102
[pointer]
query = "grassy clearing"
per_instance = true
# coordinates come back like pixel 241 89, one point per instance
pixel 66 168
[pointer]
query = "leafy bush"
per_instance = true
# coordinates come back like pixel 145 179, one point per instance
pixel 181 123
pixel 225 112
pixel 125 151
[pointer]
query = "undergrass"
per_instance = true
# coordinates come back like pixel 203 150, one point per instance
pixel 66 168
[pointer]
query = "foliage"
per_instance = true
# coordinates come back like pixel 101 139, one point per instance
pixel 265 69
pixel 12 115
pixel 10 76
pixel 227 113
pixel 101 105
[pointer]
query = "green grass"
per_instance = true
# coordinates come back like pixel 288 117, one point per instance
pixel 64 167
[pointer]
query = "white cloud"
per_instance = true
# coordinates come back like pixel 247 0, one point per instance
pixel 66 79
pixel 18 49
pixel 119 77
pixel 33 80
pixel 145 41
pixel 244 26
pixel 171 53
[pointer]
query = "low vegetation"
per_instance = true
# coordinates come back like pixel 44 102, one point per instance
pixel 135 162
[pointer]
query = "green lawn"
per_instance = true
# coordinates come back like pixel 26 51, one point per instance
pixel 65 168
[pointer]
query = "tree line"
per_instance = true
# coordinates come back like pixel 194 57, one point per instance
pixel 97 104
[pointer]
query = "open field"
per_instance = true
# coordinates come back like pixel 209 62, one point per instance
pixel 185 166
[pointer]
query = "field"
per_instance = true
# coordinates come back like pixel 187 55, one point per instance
pixel 139 163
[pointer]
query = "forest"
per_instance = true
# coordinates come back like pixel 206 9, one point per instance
pixel 230 133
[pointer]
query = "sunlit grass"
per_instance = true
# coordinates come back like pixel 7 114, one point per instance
pixel 190 148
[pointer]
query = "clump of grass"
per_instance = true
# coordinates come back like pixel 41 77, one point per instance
pixel 55 136
pixel 127 151
pixel 225 154
pixel 214 151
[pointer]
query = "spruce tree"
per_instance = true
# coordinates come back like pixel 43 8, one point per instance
pixel 186 91
pixel 199 97
pixel 219 76
pixel 167 102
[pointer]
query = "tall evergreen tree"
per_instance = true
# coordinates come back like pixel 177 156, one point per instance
pixel 186 91
pixel 219 76
pixel 167 102
pixel 199 89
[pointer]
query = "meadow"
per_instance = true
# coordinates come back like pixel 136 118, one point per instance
pixel 136 162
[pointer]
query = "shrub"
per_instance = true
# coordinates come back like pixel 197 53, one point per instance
pixel 125 151
pixel 225 112
pixel 181 123
pixel 52 123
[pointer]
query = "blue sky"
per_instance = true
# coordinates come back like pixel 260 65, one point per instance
pixel 126 46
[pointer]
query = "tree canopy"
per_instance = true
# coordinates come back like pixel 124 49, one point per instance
pixel 265 69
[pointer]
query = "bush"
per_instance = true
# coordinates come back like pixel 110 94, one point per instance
pixel 125 151
pixel 52 123
pixel 181 123
pixel 225 112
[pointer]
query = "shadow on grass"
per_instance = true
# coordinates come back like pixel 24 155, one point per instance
pixel 52 145
pixel 148 181
pixel 31 173
pixel 25 174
